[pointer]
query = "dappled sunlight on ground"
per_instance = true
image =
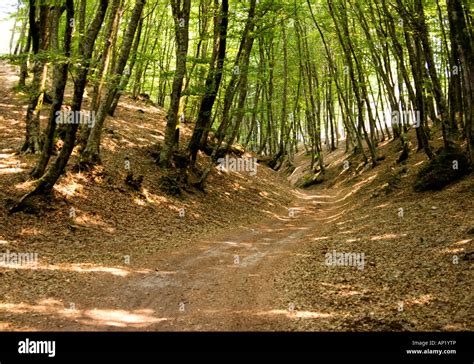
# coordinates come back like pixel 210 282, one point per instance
pixel 100 317
pixel 387 236
pixel 458 247
pixel 70 188
pixel 78 268
pixel 291 314
pixel 297 314
pixel 120 318
pixel 24 186
pixel 421 251
pixel 421 300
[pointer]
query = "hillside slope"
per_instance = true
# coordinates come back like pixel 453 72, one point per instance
pixel 418 249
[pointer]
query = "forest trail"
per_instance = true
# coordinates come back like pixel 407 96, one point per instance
pixel 227 282
pixel 224 282
pixel 248 256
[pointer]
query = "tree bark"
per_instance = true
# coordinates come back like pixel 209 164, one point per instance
pixel 181 10
pixel 111 30
pixel 59 84
pixel 463 42
pixel 213 79
pixel 126 76
pixel 91 154
pixel 40 39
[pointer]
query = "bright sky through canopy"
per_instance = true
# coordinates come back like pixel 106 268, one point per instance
pixel 6 24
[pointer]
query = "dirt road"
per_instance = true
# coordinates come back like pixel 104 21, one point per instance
pixel 224 282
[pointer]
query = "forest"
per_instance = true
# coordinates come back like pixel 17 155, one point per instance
pixel 237 165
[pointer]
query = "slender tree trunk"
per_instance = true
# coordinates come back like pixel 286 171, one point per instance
pixel 358 93
pixel 40 38
pixel 240 62
pixel 126 76
pixel 346 110
pixel 253 120
pixel 435 81
pixel 110 37
pixel 59 84
pixel 24 62
pixel 213 79
pixel 414 52
pixel 244 74
pixel 282 144
pixel 463 42
pixel 181 10
pixel 91 154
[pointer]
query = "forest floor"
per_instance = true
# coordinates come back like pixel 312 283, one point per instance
pixel 249 254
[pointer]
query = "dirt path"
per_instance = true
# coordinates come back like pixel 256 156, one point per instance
pixel 224 282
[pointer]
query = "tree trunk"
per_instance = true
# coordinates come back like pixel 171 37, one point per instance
pixel 463 42
pixel 110 36
pixel 244 74
pixel 213 79
pixel 240 62
pixel 40 38
pixel 46 183
pixel 282 144
pixel 59 84
pixel 181 11
pixel 126 76
pixel 91 154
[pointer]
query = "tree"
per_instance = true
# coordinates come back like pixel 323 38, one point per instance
pixel 181 11
pixel 462 45
pixel 40 36
pixel 59 84
pixel 213 79
pixel 91 154
pixel 45 184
